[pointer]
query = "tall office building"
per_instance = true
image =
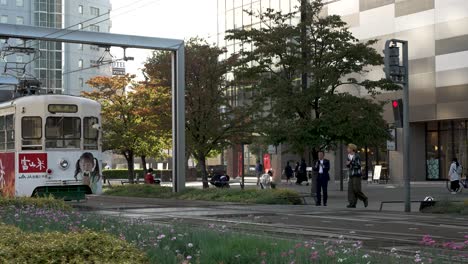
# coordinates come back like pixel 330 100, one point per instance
pixel 437 31
pixel 61 68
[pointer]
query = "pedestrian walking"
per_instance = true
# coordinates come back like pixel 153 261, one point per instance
pixel 355 173
pixel 455 173
pixel 296 170
pixel 288 171
pixel 302 174
pixel 322 168
pixel 266 180
pixel 149 178
pixel 259 171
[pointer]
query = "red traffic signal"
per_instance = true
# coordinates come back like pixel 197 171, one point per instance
pixel 397 106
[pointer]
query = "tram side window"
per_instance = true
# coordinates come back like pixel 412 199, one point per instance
pixel 31 130
pixel 7 132
pixel 63 132
pixel 91 134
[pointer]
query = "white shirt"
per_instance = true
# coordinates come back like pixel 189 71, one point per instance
pixel 454 176
pixel 350 156
pixel 321 167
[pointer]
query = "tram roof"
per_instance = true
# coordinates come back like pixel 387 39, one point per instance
pixel 48 98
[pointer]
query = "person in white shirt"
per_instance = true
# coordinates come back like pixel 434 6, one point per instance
pixel 455 172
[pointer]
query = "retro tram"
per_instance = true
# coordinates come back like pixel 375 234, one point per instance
pixel 50 144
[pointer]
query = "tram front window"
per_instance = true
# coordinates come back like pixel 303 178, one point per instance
pixel 91 134
pixel 63 132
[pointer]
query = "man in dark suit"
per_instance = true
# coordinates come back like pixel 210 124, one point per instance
pixel 322 168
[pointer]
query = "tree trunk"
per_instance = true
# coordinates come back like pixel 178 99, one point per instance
pixel 202 164
pixel 143 164
pixel 130 157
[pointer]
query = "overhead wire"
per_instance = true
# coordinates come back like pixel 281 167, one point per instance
pixel 107 63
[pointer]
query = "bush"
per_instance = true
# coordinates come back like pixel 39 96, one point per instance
pixel 448 207
pixel 119 174
pixel 54 247
pixel 270 196
pixel 123 174
pixel 47 202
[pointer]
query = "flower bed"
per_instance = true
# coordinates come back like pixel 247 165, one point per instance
pixel 210 244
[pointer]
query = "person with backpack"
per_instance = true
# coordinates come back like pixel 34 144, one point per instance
pixel 353 164
pixel 455 173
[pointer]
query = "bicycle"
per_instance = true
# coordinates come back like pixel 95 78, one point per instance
pixel 463 184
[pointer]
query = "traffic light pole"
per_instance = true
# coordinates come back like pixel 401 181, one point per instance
pixel 399 73
pixel 406 130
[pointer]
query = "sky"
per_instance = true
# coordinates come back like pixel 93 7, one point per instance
pixel 179 19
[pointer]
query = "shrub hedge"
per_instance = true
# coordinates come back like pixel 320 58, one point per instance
pixel 123 174
pixel 46 202
pixel 270 196
pixel 17 246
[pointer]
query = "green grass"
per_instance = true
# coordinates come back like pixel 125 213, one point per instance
pixel 252 196
pixel 177 243
pixel 448 207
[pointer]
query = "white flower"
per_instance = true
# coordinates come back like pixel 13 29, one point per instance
pixel 190 245
pixel 366 256
pixel 393 250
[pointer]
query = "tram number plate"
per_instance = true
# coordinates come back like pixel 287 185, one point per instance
pixel 32 162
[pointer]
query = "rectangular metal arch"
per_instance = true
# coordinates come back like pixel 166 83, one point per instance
pixel 128 41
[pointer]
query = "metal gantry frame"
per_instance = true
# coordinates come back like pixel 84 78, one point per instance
pixel 175 46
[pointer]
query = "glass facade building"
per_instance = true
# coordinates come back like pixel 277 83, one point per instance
pixel 58 66
pixel 437 32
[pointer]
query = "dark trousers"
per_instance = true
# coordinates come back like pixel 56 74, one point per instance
pixel 454 185
pixel 322 185
pixel 354 190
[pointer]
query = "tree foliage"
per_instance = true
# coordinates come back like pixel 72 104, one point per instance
pixel 134 116
pixel 303 69
pixel 212 123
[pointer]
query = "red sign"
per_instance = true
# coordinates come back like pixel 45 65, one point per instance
pixel 266 162
pixel 32 163
pixel 7 174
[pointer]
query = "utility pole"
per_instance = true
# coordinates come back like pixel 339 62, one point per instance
pixel 398 72
pixel 305 55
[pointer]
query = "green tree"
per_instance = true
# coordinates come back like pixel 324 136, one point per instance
pixel 302 70
pixel 212 123
pixel 132 119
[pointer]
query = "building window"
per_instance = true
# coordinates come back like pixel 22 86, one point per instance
pixel 20 20
pixel 94 28
pixel 80 63
pixel 80 26
pixel 445 140
pixel 94 11
pixel 4 19
pixel 3 2
pixel 81 82
pixel 19 2
pixel 80 9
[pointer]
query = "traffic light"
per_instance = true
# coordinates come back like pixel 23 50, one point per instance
pixel 397 106
pixel 392 68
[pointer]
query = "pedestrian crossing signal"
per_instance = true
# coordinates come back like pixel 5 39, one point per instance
pixel 397 106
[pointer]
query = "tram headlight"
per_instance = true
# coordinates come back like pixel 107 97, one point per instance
pixel 64 164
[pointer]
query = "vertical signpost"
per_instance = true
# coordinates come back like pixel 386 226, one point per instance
pixel 397 71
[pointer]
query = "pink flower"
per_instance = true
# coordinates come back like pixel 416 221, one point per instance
pixel 291 252
pixel 314 255
pixel 331 253
pixel 298 245
pixel 284 254
pixel 263 253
